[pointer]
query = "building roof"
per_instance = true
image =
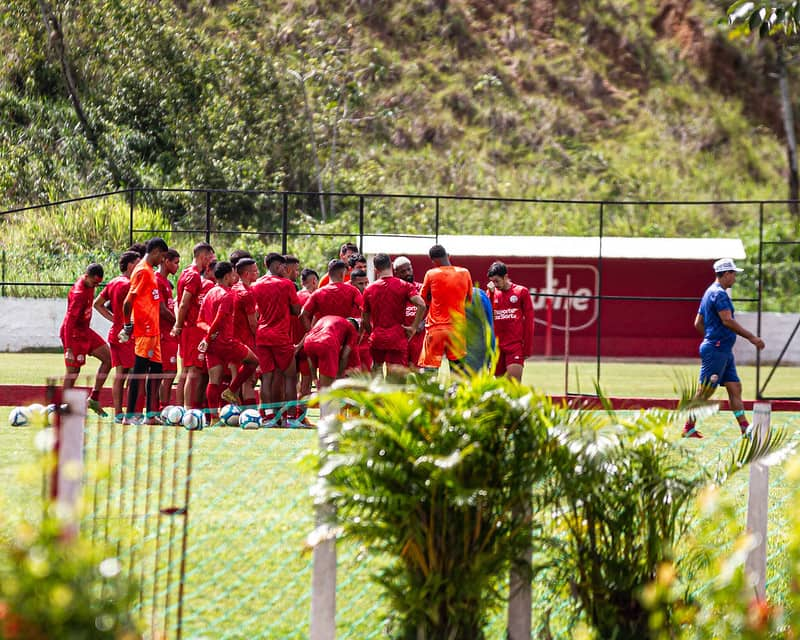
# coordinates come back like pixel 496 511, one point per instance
pixel 561 247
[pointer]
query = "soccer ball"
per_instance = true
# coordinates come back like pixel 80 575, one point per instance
pixel 250 419
pixel 173 414
pixel 37 409
pixel 50 412
pixel 19 416
pixel 229 414
pixel 194 420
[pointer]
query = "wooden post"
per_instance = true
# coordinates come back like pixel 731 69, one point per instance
pixel 520 594
pixel 323 573
pixel 758 506
pixel 69 471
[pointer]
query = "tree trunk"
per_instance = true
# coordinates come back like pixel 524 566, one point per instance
pixel 791 138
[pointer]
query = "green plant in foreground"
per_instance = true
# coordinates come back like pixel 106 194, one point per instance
pixel 437 478
pixel 51 587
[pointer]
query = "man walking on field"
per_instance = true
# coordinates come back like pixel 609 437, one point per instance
pixel 715 322
pixel 79 340
pixel 512 310
pixel 445 290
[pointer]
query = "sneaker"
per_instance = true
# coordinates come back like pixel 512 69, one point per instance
pixel 230 397
pixel 691 432
pixel 119 418
pixel 94 405
pixel 269 420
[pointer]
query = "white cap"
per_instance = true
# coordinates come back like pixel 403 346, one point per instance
pixel 725 264
pixel 400 261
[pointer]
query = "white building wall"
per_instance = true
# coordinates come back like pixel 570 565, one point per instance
pixel 27 323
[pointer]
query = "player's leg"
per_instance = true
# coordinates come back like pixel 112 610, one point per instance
pixel 733 385
pixel 214 389
pixel 140 369
pixel 712 368
pixel 71 376
pixel 266 362
pixel 100 351
pixel 288 372
pixel 247 363
pixel 118 388
pixel 154 374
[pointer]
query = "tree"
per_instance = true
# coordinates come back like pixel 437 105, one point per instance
pixel 780 23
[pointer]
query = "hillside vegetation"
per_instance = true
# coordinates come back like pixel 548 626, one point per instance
pixel 548 99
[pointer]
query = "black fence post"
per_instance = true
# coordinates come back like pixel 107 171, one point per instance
pixel 285 225
pixel 436 222
pixel 208 217
pixel 361 223
pixel 3 275
pixel 760 293
pixel 131 201
pixel 599 291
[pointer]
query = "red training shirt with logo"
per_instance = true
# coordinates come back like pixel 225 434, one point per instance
pixel 191 281
pixel 513 317
pixel 334 299
pixel 385 300
pixel 79 313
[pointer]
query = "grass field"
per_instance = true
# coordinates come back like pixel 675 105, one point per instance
pixel 247 575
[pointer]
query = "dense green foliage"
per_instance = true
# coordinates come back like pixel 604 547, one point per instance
pixel 595 100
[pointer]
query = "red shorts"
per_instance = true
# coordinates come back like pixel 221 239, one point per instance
pixel 225 353
pixel 82 346
pixel 389 356
pixel 148 347
pixel 122 355
pixel 438 341
pixel 169 353
pixel 271 357
pixel 415 348
pixel 325 357
pixel 190 356
pixel 508 356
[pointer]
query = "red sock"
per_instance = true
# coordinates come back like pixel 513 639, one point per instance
pixel 213 392
pixel 242 376
pixel 250 401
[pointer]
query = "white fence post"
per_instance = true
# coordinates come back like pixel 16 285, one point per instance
pixel 758 506
pixel 69 470
pixel 323 573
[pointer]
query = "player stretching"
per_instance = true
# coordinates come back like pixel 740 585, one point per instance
pixel 328 346
pixel 142 312
pixel 108 304
pixel 337 298
pixel 79 340
pixel 513 321
pixel 245 319
pixel 404 271
pixel 220 344
pixel 169 343
pixel 276 300
pixel 445 289
pixel 384 315
pixel 714 321
pixel 190 285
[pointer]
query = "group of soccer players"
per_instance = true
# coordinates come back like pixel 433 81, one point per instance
pixel 236 330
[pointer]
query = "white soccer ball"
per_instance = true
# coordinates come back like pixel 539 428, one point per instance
pixel 250 419
pixel 173 414
pixel 194 420
pixel 229 414
pixel 19 416
pixel 37 409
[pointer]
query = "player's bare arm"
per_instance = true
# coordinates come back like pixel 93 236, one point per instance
pixel 419 317
pixel 183 310
pixel 100 306
pixel 344 356
pixel 699 325
pixel 729 321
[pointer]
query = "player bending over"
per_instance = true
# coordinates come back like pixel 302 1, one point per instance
pixel 328 346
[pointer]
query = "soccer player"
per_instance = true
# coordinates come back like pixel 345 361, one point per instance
pixel 79 340
pixel 276 300
pixel 404 271
pixel 142 312
pixel 309 279
pixel 245 318
pixel 715 322
pixel 292 268
pixel 169 343
pixel 190 285
pixel 345 251
pixel 108 304
pixel 222 347
pixel 238 254
pixel 445 290
pixel 359 280
pixel 384 315
pixel 337 298
pixel 328 346
pixel 512 310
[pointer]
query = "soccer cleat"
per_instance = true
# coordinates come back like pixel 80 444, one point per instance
pixel 119 418
pixel 94 405
pixel 691 432
pixel 230 397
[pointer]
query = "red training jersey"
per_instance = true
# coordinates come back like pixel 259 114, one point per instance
pixel 445 290
pixel 512 311
pixel 165 292
pixel 334 299
pixel 217 311
pixel 274 297
pixel 244 307
pixel 191 281
pixel 116 291
pixel 333 332
pixel 385 300
pixel 79 313
pixel 297 327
